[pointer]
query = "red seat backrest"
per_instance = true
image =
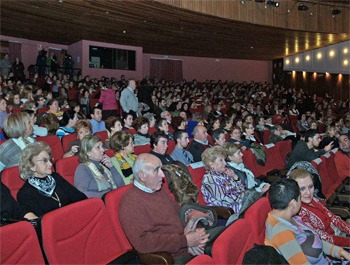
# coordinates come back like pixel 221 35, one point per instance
pixel 67 139
pixel 267 134
pixel 16 110
pixel 66 168
pixel 103 135
pixel 55 144
pixel 250 160
pixel 152 130
pixel 41 110
pixel 171 147
pixel 197 178
pixel 331 167
pixel 141 149
pixel 112 201
pixel 256 215
pixel 133 131
pixel 285 147
pixel 273 158
pixel 93 102
pixel 20 245
pixel 233 243
pixel 10 177
pixel 85 237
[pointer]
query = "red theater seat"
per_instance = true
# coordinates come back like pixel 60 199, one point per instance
pixel 141 149
pixel 19 244
pixel 66 168
pixel 233 243
pixel 80 233
pixel 201 260
pixel 197 172
pixel 171 147
pixel 103 135
pixel 256 215
pixel 67 139
pixel 55 144
pixel 10 177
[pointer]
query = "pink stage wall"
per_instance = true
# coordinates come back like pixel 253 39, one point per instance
pixel 94 72
pixel 30 49
pixel 215 69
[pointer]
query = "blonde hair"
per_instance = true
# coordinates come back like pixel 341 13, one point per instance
pixel 15 124
pixel 87 143
pixel 26 159
pixel 299 173
pixel 210 154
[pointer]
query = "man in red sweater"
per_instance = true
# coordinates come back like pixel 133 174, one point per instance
pixel 149 216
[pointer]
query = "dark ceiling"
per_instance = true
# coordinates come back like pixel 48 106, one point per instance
pixel 157 27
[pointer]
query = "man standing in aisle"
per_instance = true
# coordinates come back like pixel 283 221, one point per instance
pixel 129 100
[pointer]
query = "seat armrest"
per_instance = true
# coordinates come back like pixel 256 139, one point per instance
pixel 156 258
pixel 344 197
pixel 223 212
pixel 343 212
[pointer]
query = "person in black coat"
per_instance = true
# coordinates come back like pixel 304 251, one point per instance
pixel 44 191
pixel 18 70
pixel 10 208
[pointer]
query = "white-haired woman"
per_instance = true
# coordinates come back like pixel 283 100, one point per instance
pixel 44 190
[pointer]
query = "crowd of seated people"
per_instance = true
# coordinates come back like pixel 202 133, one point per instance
pixel 223 118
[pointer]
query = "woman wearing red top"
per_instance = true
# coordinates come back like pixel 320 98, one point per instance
pixel 108 101
pixel 315 215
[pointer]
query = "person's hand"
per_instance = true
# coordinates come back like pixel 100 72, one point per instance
pixel 74 149
pixel 30 216
pixel 328 147
pixel 106 160
pixel 344 254
pixel 243 148
pixel 197 238
pixel 265 188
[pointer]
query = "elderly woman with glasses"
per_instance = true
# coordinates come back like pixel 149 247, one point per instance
pixel 96 174
pixel 220 185
pixel 19 128
pixel 44 190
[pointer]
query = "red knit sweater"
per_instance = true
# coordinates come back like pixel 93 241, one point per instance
pixel 151 223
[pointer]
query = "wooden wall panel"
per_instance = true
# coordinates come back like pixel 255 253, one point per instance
pixel 337 86
pixel 317 18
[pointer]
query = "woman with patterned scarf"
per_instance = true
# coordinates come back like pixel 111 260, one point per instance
pixel 123 145
pixel 18 127
pixel 96 175
pixel 44 190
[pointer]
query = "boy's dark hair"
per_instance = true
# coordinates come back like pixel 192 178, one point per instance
pixel 282 192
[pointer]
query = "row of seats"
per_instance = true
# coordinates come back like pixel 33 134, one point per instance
pixel 91 234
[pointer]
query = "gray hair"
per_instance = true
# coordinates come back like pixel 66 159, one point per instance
pixel 150 116
pixel 26 159
pixel 15 124
pixel 141 164
pixel 87 143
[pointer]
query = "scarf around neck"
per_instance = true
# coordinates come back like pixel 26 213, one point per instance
pixel 45 186
pixel 102 182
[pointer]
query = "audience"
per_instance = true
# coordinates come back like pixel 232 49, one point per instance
pixel 159 145
pixel 142 137
pixel 113 124
pixel 67 123
pixel 161 228
pixel 199 143
pixel 179 153
pixel 305 150
pixel 44 190
pixel 315 215
pixel 287 233
pixel 220 185
pixel 19 129
pixel 98 125
pixel 96 175
pixel 342 157
pixel 122 143
pixel 219 137
pixel 128 120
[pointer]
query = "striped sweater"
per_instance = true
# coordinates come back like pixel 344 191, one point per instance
pixel 298 244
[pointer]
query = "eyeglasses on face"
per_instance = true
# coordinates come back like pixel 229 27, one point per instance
pixel 44 160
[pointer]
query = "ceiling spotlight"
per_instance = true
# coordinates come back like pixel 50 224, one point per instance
pixel 303 8
pixel 336 11
pixel 273 3
pixel 242 2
